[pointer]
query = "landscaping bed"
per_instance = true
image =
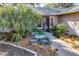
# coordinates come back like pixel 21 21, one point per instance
pixel 43 50
pixel 60 31
pixel 72 40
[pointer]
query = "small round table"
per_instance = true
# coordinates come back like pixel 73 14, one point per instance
pixel 40 38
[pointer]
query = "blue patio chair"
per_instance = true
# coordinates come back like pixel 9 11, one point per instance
pixel 45 41
pixel 34 33
pixel 34 41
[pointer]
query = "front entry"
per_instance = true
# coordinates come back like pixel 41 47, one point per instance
pixel 47 24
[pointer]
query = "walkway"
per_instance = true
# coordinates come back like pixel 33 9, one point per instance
pixel 63 48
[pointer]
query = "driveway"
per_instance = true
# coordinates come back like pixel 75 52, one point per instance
pixel 63 48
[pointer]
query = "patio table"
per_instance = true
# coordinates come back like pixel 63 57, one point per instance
pixel 40 36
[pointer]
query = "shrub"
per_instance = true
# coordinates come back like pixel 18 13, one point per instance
pixel 21 19
pixel 59 30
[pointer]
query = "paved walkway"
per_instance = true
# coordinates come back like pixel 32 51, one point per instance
pixel 63 48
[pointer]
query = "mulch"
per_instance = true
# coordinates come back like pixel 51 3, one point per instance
pixel 40 49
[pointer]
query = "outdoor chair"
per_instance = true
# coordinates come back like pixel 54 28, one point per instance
pixel 45 41
pixel 34 33
pixel 34 41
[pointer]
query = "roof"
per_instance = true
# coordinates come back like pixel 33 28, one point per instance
pixel 68 11
pixel 49 11
pixel 56 11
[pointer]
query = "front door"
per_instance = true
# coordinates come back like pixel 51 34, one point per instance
pixel 46 23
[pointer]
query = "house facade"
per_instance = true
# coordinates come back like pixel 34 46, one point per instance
pixel 52 17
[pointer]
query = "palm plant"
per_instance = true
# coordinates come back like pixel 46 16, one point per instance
pixel 20 20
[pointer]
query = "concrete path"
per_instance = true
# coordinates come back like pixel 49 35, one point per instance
pixel 63 48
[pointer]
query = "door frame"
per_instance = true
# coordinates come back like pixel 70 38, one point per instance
pixel 50 21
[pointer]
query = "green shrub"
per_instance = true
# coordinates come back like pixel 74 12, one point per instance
pixel 22 20
pixel 59 30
